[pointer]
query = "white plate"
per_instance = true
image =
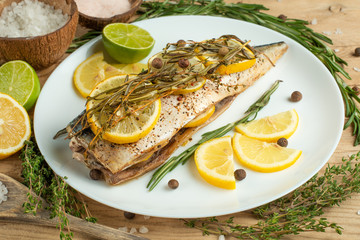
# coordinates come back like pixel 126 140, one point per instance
pixel 321 121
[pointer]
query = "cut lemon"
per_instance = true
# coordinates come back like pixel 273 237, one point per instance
pixel 14 126
pixel 202 118
pixel 129 128
pixel 95 69
pixel 127 43
pixel 224 69
pixel 271 128
pixel 19 80
pixel 194 66
pixel 214 162
pixel 263 156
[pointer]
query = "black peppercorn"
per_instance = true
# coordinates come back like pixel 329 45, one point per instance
pixel 282 17
pixel 129 215
pixel 157 63
pixel 357 52
pixel 95 174
pixel 356 89
pixel 239 174
pixel 173 184
pixel 282 142
pixel 296 96
pixel 181 43
pixel 183 63
pixel 223 51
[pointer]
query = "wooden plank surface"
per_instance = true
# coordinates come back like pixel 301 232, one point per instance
pixel 339 19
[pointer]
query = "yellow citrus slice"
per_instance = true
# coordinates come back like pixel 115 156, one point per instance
pixel 95 69
pixel 14 126
pixel 214 162
pixel 209 58
pixel 194 66
pixel 201 118
pixel 130 128
pixel 263 156
pixel 271 128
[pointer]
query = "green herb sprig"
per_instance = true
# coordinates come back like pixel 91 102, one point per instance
pixel 296 212
pixel 182 158
pixel 59 196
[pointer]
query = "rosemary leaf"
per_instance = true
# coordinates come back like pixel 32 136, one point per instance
pixel 174 161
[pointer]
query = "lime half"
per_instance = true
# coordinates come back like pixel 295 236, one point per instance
pixel 127 43
pixel 19 80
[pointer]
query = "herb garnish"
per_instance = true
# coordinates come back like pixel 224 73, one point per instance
pixel 296 212
pixel 59 196
pixel 182 158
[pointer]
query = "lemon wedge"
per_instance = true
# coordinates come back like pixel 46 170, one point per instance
pixel 214 162
pixel 202 118
pixel 263 156
pixel 129 128
pixel 14 126
pixel 271 128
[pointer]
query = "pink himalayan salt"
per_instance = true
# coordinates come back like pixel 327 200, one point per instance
pixel 103 8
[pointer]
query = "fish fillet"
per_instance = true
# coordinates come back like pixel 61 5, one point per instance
pixel 121 162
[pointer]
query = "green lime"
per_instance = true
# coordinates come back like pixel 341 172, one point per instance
pixel 127 43
pixel 19 80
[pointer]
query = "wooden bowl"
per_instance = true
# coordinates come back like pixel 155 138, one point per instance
pixel 99 23
pixel 41 51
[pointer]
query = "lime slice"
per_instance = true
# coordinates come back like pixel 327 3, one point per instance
pixel 19 80
pixel 127 43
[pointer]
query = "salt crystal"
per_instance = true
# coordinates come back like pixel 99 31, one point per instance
pixel 3 192
pixel 125 229
pixel 327 32
pixel 356 69
pixel 221 237
pixel 146 217
pixel 336 50
pixel 143 229
pixel 133 230
pixel 338 31
pixel 103 8
pixel 358 213
pixel 314 21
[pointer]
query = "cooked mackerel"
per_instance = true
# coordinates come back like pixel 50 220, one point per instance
pixel 121 162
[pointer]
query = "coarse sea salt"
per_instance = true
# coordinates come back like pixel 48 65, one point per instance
pixel 3 192
pixel 103 8
pixel 30 18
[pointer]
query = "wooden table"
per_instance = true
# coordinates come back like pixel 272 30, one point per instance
pixel 337 18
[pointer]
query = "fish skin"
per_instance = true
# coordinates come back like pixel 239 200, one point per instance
pixel 176 113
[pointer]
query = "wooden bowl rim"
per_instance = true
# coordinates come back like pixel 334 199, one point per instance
pixel 137 4
pixel 73 11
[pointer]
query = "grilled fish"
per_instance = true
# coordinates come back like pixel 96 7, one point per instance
pixel 122 162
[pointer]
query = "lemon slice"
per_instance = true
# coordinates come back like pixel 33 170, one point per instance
pixel 14 126
pixel 20 81
pixel 195 66
pixel 202 118
pixel 129 128
pixel 210 58
pixel 127 43
pixel 95 69
pixel 271 128
pixel 214 162
pixel 263 156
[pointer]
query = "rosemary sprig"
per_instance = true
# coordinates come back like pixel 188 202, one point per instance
pixel 296 212
pixel 182 158
pixel 59 196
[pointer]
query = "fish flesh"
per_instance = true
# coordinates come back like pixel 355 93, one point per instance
pixel 121 162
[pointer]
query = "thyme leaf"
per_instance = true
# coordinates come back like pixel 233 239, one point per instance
pixel 296 212
pixel 182 158
pixel 60 198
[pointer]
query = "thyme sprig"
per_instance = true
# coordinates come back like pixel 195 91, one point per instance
pixel 59 196
pixel 296 212
pixel 182 158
